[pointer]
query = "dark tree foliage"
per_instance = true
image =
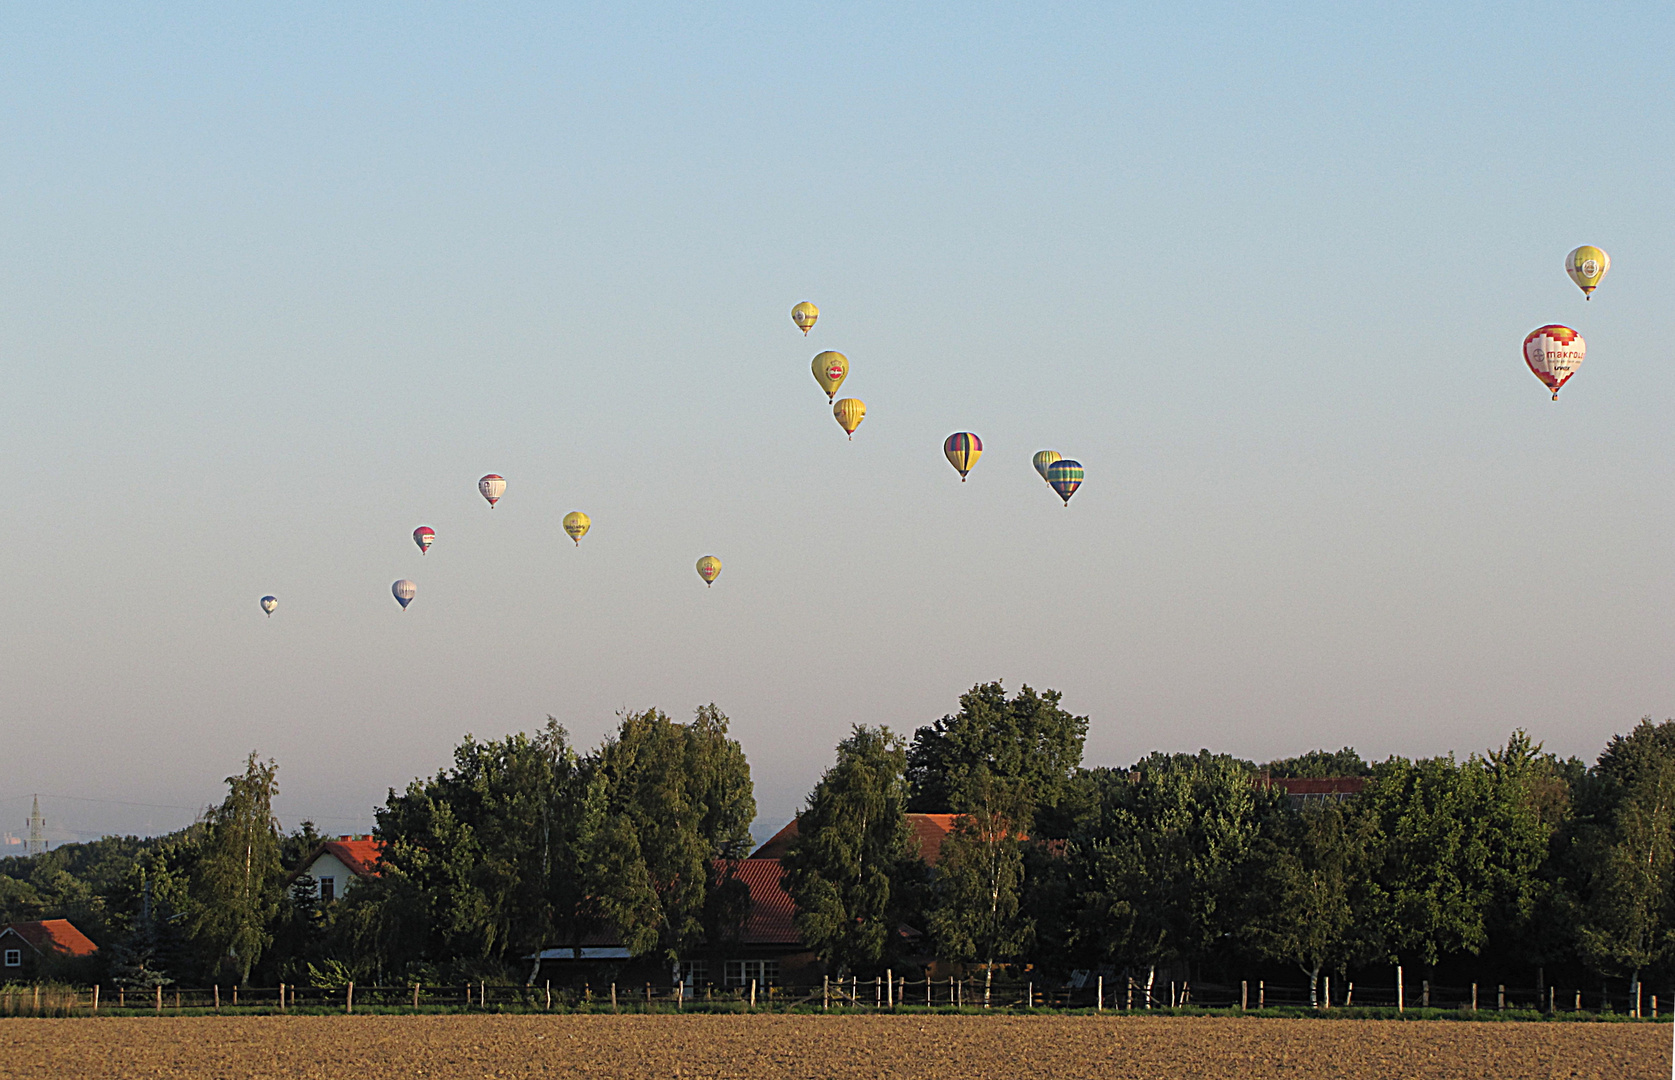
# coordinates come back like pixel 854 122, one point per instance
pixel 236 880
pixel 1319 764
pixel 854 870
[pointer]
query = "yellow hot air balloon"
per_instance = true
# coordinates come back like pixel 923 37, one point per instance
pixel 830 369
pixel 1587 266
pixel 576 524
pixel 1044 458
pixel 850 412
pixel 709 568
pixel 804 315
pixel 962 449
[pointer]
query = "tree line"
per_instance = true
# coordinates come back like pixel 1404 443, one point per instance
pixel 1513 864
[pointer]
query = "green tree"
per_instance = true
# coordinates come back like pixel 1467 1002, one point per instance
pixel 854 864
pixel 1319 765
pixel 237 882
pixel 1430 890
pixel 678 805
pixel 1627 918
pixel 481 863
pixel 1027 744
pixel 1160 872
pixel 1527 807
pixel 1302 911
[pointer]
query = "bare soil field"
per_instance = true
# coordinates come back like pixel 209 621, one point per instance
pixel 760 1047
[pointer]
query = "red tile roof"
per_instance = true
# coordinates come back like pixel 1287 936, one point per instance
pixel 771 909
pixel 929 829
pixel 358 853
pixel 55 936
pixel 1331 785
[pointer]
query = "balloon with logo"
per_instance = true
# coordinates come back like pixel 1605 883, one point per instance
pixel 492 487
pixel 1554 353
pixel 1587 266
pixel 1044 458
pixel 830 369
pixel 709 568
pixel 1065 476
pixel 962 449
pixel 577 524
pixel 850 412
pixel 404 592
pixel 424 536
pixel 804 315
pixel 269 603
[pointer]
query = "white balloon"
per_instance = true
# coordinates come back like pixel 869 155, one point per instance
pixel 404 591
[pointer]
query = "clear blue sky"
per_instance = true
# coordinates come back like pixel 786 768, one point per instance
pixel 278 284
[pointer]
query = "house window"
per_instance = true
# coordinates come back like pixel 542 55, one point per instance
pixel 328 890
pixel 14 957
pixel 694 973
pixel 741 972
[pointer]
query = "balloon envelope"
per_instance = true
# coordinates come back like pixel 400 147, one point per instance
pixel 492 487
pixel 850 412
pixel 962 449
pixel 269 603
pixel 1554 353
pixel 576 524
pixel 804 315
pixel 424 536
pixel 1065 476
pixel 1587 266
pixel 404 592
pixel 830 369
pixel 709 568
pixel 1044 458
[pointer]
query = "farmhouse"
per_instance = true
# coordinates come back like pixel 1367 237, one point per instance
pixel 336 865
pixel 32 949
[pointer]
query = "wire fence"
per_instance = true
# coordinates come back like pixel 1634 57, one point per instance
pixel 887 993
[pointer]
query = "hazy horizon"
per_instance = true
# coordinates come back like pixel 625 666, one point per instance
pixel 278 286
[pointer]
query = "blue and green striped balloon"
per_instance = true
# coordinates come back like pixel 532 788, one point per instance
pixel 1065 476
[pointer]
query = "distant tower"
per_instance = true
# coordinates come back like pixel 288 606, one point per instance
pixel 37 841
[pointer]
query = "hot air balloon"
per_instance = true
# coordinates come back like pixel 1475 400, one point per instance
pixel 1044 458
pixel 492 487
pixel 576 524
pixel 424 536
pixel 709 568
pixel 962 450
pixel 804 315
pixel 269 603
pixel 830 369
pixel 850 412
pixel 1554 353
pixel 1065 476
pixel 1587 266
pixel 404 591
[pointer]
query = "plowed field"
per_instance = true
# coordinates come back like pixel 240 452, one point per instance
pixel 778 1046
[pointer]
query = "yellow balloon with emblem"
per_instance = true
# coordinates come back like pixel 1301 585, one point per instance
pixel 830 369
pixel 577 524
pixel 850 412
pixel 804 315
pixel 709 568
pixel 1587 266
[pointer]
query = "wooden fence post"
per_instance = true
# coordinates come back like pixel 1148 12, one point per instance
pixel 1326 999
pixel 159 999
pixel 613 997
pixel 235 995
pixel 889 988
pixel 549 995
pixel 349 999
pixel 753 993
pixel 825 993
pixel 1500 997
pixel 1100 1007
pixel 1261 993
pixel 217 997
pixel 1474 997
pixel 1400 1004
pixel 96 1002
pixel 1244 994
pixel 416 996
